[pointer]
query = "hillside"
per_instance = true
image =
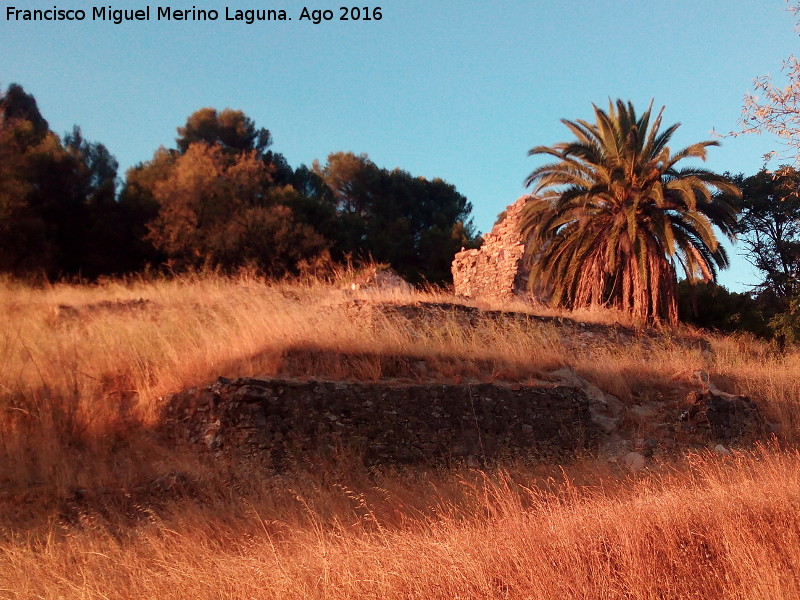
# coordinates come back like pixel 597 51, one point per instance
pixel 430 448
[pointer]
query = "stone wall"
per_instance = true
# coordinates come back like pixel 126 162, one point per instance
pixel 493 271
pixel 277 420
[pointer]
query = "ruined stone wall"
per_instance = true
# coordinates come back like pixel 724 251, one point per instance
pixel 278 419
pixel 278 422
pixel 493 271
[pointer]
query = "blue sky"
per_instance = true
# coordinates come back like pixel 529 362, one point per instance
pixel 454 89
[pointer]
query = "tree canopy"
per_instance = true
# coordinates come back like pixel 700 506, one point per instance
pixel 415 224
pixel 222 197
pixel 222 210
pixel 58 214
pixel 769 228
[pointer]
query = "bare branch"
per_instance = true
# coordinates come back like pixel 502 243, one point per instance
pixel 775 108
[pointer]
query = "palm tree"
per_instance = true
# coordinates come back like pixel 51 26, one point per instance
pixel 613 217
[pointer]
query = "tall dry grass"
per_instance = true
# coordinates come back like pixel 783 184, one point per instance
pixel 712 529
pixel 82 367
pixel 83 372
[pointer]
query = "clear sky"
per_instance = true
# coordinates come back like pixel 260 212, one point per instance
pixel 454 89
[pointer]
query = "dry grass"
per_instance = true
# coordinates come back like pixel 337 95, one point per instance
pixel 713 529
pixel 83 369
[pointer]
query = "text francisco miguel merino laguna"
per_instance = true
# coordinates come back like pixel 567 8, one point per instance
pixel 161 13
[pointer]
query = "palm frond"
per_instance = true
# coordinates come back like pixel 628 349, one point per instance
pixel 615 215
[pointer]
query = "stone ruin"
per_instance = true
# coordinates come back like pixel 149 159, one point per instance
pixel 385 422
pixel 279 421
pixel 495 270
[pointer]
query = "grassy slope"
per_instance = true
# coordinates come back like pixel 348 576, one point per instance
pixel 80 384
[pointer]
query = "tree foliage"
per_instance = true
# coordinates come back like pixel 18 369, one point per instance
pixel 214 208
pixel 25 143
pixel 615 216
pixel 774 107
pixel 223 198
pixel 234 132
pixel 769 227
pixel 415 224
pixel 769 224
pixel 220 198
pixel 215 201
pixel 230 129
pixel 58 214
pixel 711 306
